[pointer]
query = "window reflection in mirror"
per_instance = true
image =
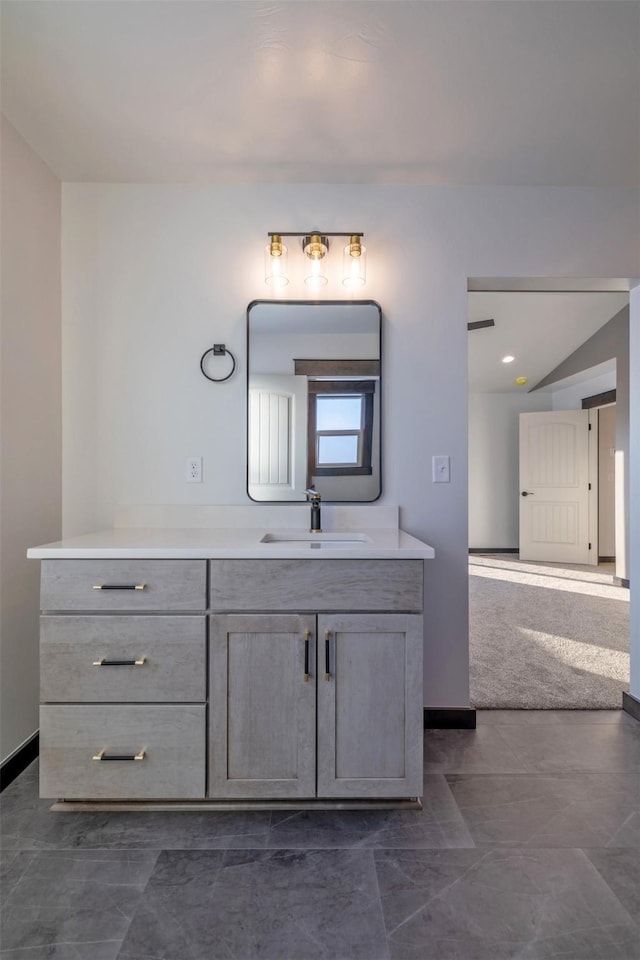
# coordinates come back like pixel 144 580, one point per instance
pixel 313 380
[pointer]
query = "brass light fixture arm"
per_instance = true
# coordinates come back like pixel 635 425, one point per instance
pixel 305 233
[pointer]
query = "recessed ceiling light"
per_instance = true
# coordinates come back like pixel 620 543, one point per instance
pixel 508 359
pixel 520 381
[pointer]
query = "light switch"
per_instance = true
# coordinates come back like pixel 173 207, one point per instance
pixel 440 469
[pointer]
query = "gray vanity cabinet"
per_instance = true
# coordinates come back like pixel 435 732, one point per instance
pixel 307 684
pixel 263 706
pixel 315 707
pixel 370 705
pixel 319 705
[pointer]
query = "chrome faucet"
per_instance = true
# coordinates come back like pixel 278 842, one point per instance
pixel 314 499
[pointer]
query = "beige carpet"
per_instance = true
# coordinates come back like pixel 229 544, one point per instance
pixel 545 636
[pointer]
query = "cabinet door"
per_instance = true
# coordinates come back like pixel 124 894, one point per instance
pixel 370 711
pixel 263 706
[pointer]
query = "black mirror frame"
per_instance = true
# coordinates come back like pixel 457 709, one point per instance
pixel 318 303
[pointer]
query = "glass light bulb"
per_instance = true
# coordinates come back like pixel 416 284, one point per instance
pixel 275 263
pixel 315 276
pixel 354 264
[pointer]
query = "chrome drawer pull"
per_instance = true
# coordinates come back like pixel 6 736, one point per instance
pixel 119 586
pixel 103 662
pixel 119 756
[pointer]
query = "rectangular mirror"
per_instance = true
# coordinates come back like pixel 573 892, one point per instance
pixel 313 399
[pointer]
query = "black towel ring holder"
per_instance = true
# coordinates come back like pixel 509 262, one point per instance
pixel 218 349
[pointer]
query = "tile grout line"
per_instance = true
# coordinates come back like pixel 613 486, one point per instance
pixel 142 894
pixel 384 924
pixel 583 852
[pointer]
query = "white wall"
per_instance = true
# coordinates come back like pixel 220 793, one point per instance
pixel 494 468
pixel 154 274
pixel 570 398
pixel 608 347
pixel 30 510
pixel 275 352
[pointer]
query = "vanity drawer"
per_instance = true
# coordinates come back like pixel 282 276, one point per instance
pixel 165 659
pixel 170 741
pixel 317 585
pixel 123 585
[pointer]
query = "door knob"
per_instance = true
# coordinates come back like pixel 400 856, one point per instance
pixel 527 493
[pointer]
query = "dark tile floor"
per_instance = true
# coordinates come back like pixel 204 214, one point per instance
pixel 528 848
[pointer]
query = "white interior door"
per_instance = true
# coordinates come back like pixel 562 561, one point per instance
pixel 554 486
pixel 277 414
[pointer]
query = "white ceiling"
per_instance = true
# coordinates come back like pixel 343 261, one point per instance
pixel 539 329
pixel 395 91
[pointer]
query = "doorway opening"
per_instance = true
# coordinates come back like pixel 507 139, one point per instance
pixel 602 420
pixel 548 493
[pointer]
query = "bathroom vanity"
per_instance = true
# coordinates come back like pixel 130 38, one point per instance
pixel 191 657
pixel 238 666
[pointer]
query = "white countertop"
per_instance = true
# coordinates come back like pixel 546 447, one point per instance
pixel 166 543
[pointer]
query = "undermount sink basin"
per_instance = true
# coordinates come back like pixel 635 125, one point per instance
pixel 315 539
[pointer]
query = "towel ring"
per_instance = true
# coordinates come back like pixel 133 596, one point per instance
pixel 218 349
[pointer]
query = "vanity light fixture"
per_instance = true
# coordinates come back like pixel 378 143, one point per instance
pixel 315 247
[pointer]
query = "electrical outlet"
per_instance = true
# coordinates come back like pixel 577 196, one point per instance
pixel 194 470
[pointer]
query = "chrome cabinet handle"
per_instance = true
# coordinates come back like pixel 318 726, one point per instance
pixel 119 586
pixel 327 655
pixel 307 634
pixel 119 756
pixel 103 662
